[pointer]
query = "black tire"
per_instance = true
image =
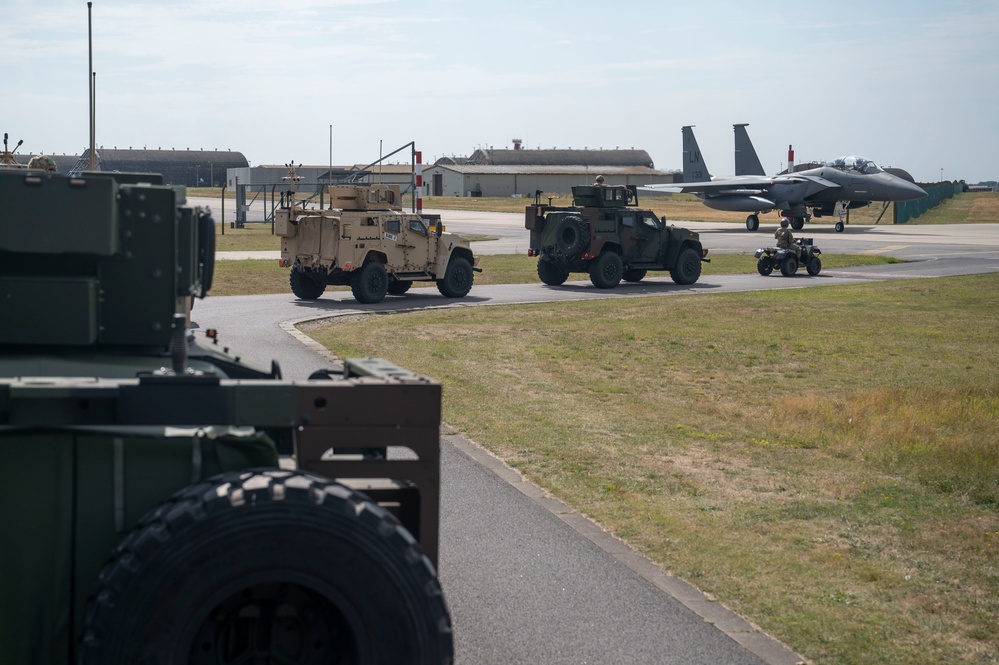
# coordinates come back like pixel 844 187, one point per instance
pixel 688 267
pixel 765 266
pixel 267 565
pixel 304 286
pixel 369 284
pixel 397 286
pixel 458 277
pixel 606 270
pixel 572 235
pixel 814 266
pixel 634 275
pixel 789 265
pixel 752 223
pixel 551 274
pixel 839 227
pixel 797 223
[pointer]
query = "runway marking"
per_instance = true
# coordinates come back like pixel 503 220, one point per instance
pixel 884 250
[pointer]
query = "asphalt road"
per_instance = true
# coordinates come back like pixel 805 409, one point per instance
pixel 527 579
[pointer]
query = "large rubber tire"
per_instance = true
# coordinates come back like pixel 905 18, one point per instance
pixel 765 266
pixel 839 227
pixel 458 277
pixel 369 284
pixel 397 287
pixel 304 286
pixel 789 265
pixel 814 266
pixel 267 566
pixel 634 274
pixel 752 223
pixel 606 270
pixel 797 223
pixel 688 267
pixel 572 235
pixel 551 274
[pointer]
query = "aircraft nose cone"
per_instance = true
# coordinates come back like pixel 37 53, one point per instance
pixel 903 190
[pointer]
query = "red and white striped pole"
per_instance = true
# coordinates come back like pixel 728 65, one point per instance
pixel 419 182
pixel 790 159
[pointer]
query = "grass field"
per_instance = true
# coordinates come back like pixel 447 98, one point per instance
pixel 250 277
pixel 824 461
pixel 972 207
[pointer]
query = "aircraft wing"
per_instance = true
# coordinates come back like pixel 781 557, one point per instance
pixel 739 185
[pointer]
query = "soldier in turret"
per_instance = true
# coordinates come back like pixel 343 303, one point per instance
pixel 42 163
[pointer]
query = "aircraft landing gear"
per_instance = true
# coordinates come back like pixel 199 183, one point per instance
pixel 797 223
pixel 839 227
pixel 752 223
pixel 842 210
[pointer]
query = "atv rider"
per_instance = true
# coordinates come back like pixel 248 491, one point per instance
pixel 785 239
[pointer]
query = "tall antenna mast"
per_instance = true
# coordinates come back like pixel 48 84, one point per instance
pixel 90 80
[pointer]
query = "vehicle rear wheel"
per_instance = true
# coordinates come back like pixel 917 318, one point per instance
pixel 797 223
pixel 551 274
pixel 398 286
pixel 457 281
pixel 814 266
pixel 305 286
pixel 789 265
pixel 752 223
pixel 369 283
pixel 839 227
pixel 606 270
pixel 634 275
pixel 688 267
pixel 765 266
pixel 267 565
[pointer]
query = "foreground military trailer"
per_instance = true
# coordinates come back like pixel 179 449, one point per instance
pixel 365 241
pixel 605 234
pixel 768 258
pixel 167 502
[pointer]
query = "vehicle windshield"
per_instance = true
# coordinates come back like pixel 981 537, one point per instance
pixel 854 163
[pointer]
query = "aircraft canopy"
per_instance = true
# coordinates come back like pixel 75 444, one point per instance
pixel 854 163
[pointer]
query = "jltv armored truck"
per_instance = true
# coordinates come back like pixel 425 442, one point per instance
pixel 365 240
pixel 605 233
pixel 167 502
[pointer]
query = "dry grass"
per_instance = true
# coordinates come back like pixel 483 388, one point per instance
pixel 972 207
pixel 824 461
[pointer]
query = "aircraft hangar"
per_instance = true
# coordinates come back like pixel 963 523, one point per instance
pixel 519 171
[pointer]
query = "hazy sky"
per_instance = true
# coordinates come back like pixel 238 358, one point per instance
pixel 912 84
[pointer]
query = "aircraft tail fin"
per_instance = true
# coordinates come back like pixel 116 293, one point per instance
pixel 694 168
pixel 746 161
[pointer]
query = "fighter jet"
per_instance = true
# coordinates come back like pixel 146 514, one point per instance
pixel 830 189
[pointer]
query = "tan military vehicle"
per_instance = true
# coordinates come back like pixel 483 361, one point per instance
pixel 365 240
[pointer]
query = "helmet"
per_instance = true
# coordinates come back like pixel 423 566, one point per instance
pixel 42 163
pixel 600 180
pixel 783 223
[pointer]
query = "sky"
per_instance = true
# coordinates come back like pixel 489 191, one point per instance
pixel 912 84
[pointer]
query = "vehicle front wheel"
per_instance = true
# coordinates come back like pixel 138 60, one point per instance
pixel 814 266
pixel 765 266
pixel 752 223
pixel 551 274
pixel 688 267
pixel 457 281
pixel 304 286
pixel 789 265
pixel 606 270
pixel 369 284
pixel 267 566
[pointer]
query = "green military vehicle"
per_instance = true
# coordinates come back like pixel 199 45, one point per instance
pixel 166 501
pixel 605 233
pixel 365 240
